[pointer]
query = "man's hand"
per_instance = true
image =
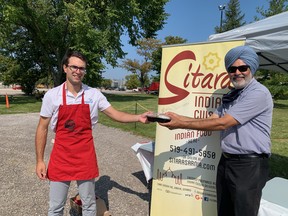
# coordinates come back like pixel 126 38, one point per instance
pixel 41 170
pixel 143 117
pixel 175 123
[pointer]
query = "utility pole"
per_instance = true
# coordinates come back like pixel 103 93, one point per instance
pixel 221 8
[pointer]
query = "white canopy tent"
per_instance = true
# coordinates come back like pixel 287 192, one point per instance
pixel 268 37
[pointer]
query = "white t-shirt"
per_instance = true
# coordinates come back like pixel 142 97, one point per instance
pixel 53 99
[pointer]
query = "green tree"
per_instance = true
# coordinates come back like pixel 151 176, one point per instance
pixel 8 67
pixel 275 7
pixel 106 83
pixel 233 17
pixel 36 34
pixel 142 67
pixel 277 83
pixel 157 54
pixel 132 81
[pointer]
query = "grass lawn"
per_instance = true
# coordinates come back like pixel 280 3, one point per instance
pixel 139 103
pixel 19 104
pixel 279 136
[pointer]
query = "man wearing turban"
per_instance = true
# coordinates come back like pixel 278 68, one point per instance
pixel 244 119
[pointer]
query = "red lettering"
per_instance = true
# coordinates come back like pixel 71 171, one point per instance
pixel 207 81
pixel 195 76
pixel 179 93
pixel 194 79
pixel 186 83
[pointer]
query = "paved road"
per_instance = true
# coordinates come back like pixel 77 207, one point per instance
pixel 121 182
pixel 10 91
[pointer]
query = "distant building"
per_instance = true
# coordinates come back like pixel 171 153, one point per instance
pixel 118 83
pixel 115 84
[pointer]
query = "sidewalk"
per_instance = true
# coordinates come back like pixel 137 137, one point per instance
pixel 121 183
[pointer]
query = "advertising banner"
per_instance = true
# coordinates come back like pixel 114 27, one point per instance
pixel 193 80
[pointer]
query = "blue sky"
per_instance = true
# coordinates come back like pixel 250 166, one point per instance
pixel 193 20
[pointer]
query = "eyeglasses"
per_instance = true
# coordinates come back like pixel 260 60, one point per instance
pixel 75 68
pixel 241 68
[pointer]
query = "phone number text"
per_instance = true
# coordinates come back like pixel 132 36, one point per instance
pixel 192 151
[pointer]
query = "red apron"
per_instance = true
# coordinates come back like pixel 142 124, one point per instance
pixel 73 156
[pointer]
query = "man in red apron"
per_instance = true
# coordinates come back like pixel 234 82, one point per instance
pixel 72 110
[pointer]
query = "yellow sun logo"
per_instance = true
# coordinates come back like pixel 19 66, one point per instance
pixel 211 61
